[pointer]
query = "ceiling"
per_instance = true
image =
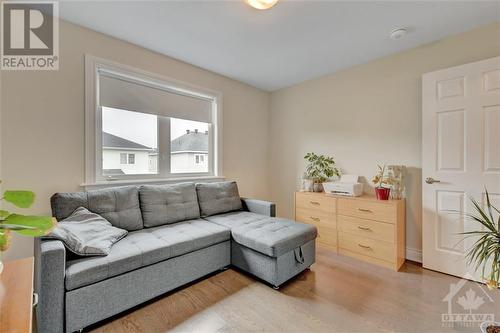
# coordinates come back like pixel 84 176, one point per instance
pixel 290 43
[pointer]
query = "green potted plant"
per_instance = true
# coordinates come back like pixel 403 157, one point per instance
pixel 320 168
pixel 485 252
pixel 382 181
pixel 25 225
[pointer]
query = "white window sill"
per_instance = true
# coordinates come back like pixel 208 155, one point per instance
pixel 121 182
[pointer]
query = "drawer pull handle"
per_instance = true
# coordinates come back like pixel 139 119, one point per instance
pixel 364 210
pixel 364 246
pixel 364 228
pixel 315 203
pixel 315 218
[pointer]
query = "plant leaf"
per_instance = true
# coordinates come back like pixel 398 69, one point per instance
pixel 488 205
pixel 3 214
pixel 4 240
pixel 7 226
pixel 41 224
pixel 21 199
pixel 480 210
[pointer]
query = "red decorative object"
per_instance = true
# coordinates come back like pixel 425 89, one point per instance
pixel 382 193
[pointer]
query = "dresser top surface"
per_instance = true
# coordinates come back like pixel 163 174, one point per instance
pixel 364 197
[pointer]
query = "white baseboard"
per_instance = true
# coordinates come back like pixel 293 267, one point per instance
pixel 414 254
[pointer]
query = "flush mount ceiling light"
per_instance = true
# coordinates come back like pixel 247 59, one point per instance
pixel 261 4
pixel 398 33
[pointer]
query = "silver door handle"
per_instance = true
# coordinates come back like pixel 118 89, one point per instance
pixel 430 180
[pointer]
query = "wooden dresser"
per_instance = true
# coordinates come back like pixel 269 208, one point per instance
pixel 361 227
pixel 16 296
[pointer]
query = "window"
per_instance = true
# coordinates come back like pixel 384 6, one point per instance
pixel 199 158
pixel 146 127
pixel 128 140
pixel 190 141
pixel 125 159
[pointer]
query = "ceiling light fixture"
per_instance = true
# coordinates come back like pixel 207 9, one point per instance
pixel 398 33
pixel 261 4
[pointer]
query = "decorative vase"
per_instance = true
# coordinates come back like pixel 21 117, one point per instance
pixel 307 185
pixel 397 174
pixel 382 193
pixel 484 325
pixel 318 187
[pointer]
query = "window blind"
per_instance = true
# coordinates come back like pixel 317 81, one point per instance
pixel 149 97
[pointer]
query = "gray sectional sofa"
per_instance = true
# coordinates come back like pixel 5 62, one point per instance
pixel 176 234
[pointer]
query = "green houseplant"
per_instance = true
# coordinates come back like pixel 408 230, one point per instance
pixel 25 225
pixel 487 246
pixel 485 251
pixel 320 168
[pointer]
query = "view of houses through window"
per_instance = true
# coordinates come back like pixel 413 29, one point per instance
pixel 130 144
pixel 189 146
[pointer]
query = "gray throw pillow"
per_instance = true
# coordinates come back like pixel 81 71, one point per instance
pixel 87 234
pixel 216 198
pixel 162 204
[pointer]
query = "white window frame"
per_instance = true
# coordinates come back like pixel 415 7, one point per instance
pixel 200 158
pixel 128 158
pixel 93 127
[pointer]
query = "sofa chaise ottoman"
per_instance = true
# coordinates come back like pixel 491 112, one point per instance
pixel 270 248
pixel 176 235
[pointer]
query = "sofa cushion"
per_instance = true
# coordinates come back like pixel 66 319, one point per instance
pixel 268 235
pixel 145 247
pixel 118 205
pixel 216 198
pixel 162 204
pixel 87 234
pixel 236 219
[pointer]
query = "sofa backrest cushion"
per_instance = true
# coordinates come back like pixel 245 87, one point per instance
pixel 163 204
pixel 118 205
pixel 216 198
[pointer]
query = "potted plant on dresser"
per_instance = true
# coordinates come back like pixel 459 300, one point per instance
pixel 485 252
pixel 31 226
pixel 320 168
pixel 382 182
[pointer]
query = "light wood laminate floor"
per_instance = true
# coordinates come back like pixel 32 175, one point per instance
pixel 339 294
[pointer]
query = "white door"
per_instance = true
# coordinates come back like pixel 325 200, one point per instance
pixel 461 152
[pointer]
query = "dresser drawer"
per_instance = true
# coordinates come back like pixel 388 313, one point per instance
pixel 367 209
pixel 327 236
pixel 369 259
pixel 367 246
pixel 316 217
pixel 318 202
pixel 366 228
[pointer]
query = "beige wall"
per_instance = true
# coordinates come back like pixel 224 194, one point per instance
pixel 362 116
pixel 42 133
pixel 365 115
